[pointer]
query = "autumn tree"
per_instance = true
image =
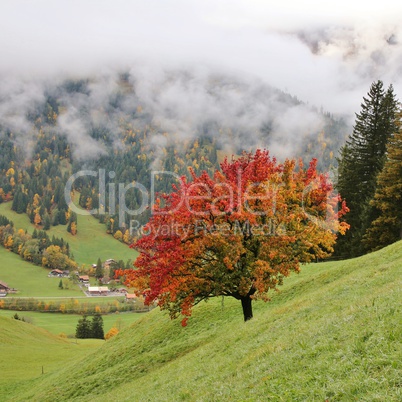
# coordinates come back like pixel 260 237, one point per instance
pixel 37 219
pixel 53 257
pixel 111 333
pixel 72 222
pixel 238 234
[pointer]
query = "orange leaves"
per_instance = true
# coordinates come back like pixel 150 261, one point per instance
pixel 236 234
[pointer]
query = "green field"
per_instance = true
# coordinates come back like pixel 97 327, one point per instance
pixel 31 280
pixel 66 323
pixel 334 333
pixel 27 350
pixel 90 243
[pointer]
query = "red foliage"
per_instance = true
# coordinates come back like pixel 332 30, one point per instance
pixel 236 234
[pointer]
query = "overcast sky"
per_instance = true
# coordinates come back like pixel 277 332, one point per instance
pixel 325 53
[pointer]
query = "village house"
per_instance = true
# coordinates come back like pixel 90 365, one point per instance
pixel 109 262
pixel 98 290
pixel 4 289
pixel 130 297
pixel 83 278
pixel 58 273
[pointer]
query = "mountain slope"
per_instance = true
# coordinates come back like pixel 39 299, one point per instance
pixel 90 243
pixel 333 332
pixel 26 350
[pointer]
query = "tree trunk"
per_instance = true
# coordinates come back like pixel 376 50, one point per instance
pixel 247 308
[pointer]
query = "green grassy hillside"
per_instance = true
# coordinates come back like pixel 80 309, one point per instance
pixel 30 280
pixel 91 241
pixel 334 333
pixel 25 349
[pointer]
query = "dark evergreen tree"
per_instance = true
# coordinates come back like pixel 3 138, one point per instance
pixel 32 216
pixel 361 160
pixel 99 269
pixel 62 217
pixel 387 227
pixel 56 217
pixel 46 225
pixel 97 327
pixel 20 201
pixel 83 329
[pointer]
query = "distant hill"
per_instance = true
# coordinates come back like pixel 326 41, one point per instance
pixel 90 243
pixel 333 333
pixel 122 126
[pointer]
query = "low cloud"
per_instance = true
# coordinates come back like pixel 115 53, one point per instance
pixel 179 56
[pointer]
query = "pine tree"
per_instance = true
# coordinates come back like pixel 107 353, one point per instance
pixel 46 225
pixel 361 160
pixel 56 217
pixel 97 327
pixel 62 217
pixel 83 329
pixel 99 269
pixel 387 227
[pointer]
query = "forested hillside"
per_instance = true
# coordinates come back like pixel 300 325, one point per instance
pixel 121 127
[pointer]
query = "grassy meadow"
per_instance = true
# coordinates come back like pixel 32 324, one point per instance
pixel 90 243
pixel 25 350
pixel 31 280
pixel 333 332
pixel 66 323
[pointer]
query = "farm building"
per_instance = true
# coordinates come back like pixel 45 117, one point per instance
pixel 131 297
pixel 109 262
pixel 4 288
pixel 84 278
pixel 58 273
pixel 98 290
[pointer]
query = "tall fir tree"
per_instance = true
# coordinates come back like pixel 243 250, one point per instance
pixel 83 329
pixel 97 327
pixel 361 160
pixel 99 269
pixel 387 227
pixel 46 224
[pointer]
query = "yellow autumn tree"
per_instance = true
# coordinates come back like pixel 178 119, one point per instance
pixel 127 237
pixel 8 243
pixel 118 235
pixel 36 200
pixel 112 332
pixel 73 230
pixel 88 204
pixel 37 219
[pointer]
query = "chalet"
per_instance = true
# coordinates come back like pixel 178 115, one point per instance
pixel 98 290
pixel 131 297
pixel 109 262
pixel 58 273
pixel 83 278
pixel 4 288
